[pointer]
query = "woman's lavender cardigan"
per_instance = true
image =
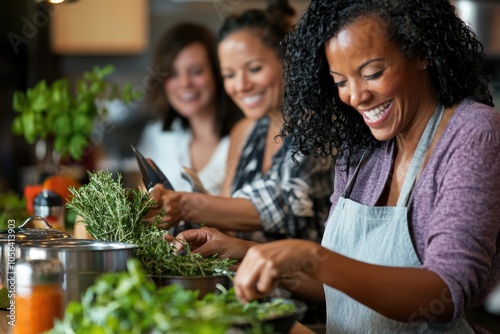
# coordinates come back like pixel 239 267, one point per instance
pixel 455 212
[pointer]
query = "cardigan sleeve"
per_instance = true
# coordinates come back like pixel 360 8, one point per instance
pixel 461 237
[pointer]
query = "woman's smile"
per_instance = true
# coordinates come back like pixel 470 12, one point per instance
pixel 377 115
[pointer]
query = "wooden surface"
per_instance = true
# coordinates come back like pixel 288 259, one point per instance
pixel 4 326
pixel 100 27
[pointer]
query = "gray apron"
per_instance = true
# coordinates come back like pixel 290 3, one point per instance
pixel 378 235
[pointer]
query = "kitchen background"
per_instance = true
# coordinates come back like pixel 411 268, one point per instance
pixel 54 41
pixel 64 40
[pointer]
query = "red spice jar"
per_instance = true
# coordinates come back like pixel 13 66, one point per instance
pixel 39 297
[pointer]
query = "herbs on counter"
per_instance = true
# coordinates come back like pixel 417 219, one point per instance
pixel 114 213
pixel 128 302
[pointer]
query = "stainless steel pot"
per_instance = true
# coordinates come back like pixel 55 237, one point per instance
pixel 82 260
pixel 33 229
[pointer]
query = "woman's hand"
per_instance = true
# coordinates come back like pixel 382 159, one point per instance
pixel 266 264
pixel 167 201
pixel 209 241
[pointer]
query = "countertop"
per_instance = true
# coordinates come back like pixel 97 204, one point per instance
pixel 298 328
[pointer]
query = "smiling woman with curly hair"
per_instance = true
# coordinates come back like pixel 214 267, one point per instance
pixel 396 91
pixel 456 66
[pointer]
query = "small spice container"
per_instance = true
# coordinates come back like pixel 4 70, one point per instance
pixel 50 205
pixel 39 297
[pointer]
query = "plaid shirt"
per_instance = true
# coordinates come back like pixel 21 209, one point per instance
pixel 293 200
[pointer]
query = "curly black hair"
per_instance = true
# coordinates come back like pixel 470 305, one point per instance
pixel 319 121
pixel 271 24
pixel 171 43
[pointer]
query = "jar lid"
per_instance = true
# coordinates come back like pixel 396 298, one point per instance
pixel 32 272
pixel 34 228
pixel 48 198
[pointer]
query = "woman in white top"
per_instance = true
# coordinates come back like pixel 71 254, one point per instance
pixel 195 113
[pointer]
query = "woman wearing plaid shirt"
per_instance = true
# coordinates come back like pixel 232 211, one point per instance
pixel 268 195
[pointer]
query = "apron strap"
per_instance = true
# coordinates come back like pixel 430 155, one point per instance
pixel 348 189
pixel 418 157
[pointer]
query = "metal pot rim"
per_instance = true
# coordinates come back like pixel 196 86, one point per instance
pixel 78 245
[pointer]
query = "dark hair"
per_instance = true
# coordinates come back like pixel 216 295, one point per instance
pixel 271 25
pixel 170 44
pixel 314 114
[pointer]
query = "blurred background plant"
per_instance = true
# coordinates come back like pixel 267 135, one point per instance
pixel 12 208
pixel 64 119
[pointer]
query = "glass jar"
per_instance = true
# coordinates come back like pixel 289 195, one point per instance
pixel 39 296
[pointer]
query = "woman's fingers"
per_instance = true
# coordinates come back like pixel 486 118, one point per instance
pixel 156 193
pixel 256 276
pixel 166 205
pixel 265 264
pixel 209 241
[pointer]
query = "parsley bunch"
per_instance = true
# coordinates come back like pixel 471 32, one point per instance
pixel 128 302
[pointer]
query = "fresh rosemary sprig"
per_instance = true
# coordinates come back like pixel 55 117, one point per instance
pixel 112 213
pixel 109 211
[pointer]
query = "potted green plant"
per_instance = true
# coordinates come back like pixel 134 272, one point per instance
pixel 64 118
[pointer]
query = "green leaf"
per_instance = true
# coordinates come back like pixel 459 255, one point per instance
pixel 62 126
pixel 60 92
pixel 19 102
pixel 96 87
pixel 77 146
pixel 39 97
pixel 81 89
pixel 86 107
pixel 17 126
pixel 28 126
pixel 83 123
pixel 42 128
pixel 103 72
pixel 129 96
pixel 61 145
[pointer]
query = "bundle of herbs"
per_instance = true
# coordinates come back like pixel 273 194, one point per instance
pixel 111 212
pixel 128 302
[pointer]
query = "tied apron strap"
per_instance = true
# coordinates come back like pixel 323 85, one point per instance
pixel 418 157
